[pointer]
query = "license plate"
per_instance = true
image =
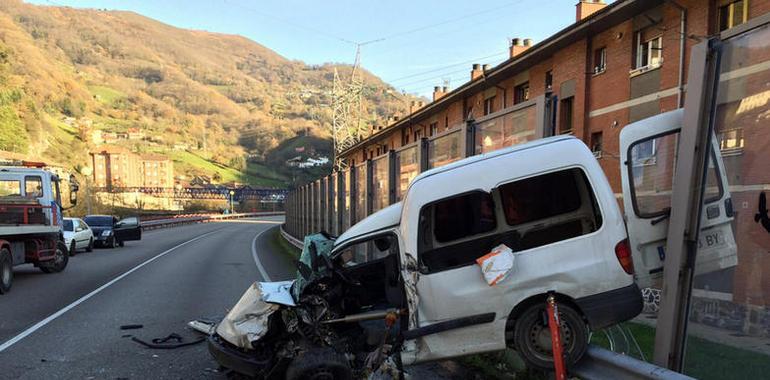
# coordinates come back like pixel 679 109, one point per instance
pixel 711 239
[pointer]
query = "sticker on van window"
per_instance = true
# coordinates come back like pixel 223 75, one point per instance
pixel 496 265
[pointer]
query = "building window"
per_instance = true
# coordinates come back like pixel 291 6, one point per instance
pixel 566 115
pixel 446 122
pixel 521 93
pixel 733 14
pixel 649 53
pixel 489 105
pixel 434 128
pixel 548 80
pixel 600 60
pixel 417 134
pixel 596 144
pixel 731 140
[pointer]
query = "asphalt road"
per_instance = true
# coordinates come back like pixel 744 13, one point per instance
pixel 67 325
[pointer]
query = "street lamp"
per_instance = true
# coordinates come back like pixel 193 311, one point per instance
pixel 232 193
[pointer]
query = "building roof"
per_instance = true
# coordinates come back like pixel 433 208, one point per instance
pixel 603 19
pixel 154 157
pixel 110 149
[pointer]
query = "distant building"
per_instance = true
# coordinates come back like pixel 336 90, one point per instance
pixel 135 134
pixel 157 171
pixel 115 166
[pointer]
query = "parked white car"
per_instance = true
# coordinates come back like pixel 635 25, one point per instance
pixel 77 235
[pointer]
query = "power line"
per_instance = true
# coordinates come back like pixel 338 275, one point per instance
pixel 291 23
pixel 474 60
pixel 464 17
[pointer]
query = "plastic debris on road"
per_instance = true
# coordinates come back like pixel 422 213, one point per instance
pixel 496 265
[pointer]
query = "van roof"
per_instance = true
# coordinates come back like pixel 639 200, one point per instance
pixel 493 154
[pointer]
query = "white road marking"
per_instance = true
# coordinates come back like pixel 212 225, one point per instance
pixel 261 269
pixel 80 300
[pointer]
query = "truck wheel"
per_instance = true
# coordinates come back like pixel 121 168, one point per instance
pixel 90 247
pixel 59 262
pixel 73 248
pixel 6 271
pixel 319 364
pixel 532 337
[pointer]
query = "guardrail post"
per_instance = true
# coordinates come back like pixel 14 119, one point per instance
pixel 422 154
pixel 353 195
pixel 369 187
pixel 322 204
pixel 340 202
pixel 392 174
pixel 330 205
pixel 469 138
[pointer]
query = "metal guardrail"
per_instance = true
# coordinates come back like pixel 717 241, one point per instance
pixel 171 222
pixel 601 364
pixel 291 239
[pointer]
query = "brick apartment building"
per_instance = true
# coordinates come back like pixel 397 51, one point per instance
pixel 116 166
pixel 616 64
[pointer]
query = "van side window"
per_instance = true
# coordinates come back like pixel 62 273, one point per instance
pixel 466 215
pixel 548 208
pixel 454 232
pixel 33 186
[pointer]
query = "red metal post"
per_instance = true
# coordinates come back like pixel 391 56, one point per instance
pixel 553 324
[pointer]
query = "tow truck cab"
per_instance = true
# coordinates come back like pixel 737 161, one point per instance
pixel 31 219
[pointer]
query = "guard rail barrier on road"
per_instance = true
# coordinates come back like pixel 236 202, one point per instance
pixel 171 222
pixel 602 364
pixel 291 239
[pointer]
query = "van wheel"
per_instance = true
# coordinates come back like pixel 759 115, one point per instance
pixel 73 248
pixel 6 271
pixel 532 337
pixel 59 262
pixel 319 364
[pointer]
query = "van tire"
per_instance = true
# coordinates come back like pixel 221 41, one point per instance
pixel 532 338
pixel 73 248
pixel 6 271
pixel 319 363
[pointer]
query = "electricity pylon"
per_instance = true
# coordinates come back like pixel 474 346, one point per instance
pixel 348 109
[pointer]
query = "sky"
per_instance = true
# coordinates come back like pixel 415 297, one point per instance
pixel 412 44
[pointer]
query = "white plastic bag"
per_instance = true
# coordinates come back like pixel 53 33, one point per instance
pixel 496 265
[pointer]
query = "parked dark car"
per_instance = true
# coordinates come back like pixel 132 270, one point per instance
pixel 111 232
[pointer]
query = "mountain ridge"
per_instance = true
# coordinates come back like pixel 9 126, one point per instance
pixel 66 72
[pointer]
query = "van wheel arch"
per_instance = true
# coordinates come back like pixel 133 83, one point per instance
pixel 522 306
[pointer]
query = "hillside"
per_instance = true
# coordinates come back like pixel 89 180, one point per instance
pixel 213 102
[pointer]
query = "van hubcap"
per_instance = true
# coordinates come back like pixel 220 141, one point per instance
pixel 540 338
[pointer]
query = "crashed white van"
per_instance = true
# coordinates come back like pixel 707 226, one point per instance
pixel 405 284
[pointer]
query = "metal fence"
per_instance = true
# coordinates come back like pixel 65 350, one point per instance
pixel 338 201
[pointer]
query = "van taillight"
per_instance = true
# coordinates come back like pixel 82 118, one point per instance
pixel 623 253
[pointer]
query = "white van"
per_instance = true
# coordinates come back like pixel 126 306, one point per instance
pixel 547 200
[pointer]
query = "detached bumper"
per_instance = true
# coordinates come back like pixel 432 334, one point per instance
pixel 232 358
pixel 608 308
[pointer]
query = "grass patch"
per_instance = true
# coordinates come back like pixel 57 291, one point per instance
pixel 704 359
pixel 106 95
pixel 187 161
pixel 279 244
